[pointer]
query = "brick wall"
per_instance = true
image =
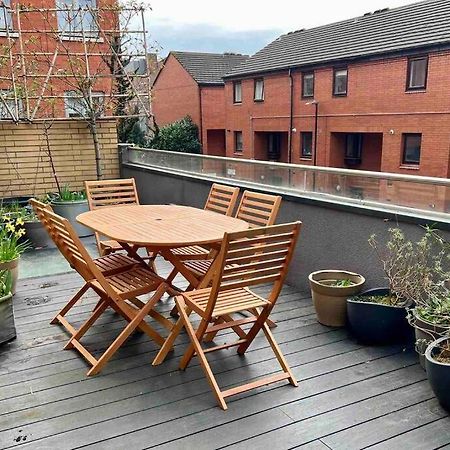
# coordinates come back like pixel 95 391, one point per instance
pixel 24 163
pixel 376 103
pixel 175 94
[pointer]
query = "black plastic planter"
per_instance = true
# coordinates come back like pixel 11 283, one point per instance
pixel 377 324
pixel 438 374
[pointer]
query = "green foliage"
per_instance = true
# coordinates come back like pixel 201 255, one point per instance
pixel 343 283
pixel 5 283
pixel 130 132
pixel 11 230
pixel 179 136
pixel 389 300
pixel 415 271
pixel 14 211
pixel 66 195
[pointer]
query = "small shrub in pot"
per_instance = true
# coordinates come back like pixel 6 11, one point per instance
pixel 380 316
pixel 70 204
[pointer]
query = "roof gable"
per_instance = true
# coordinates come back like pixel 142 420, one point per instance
pixel 208 68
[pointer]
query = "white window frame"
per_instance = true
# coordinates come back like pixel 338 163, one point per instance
pixel 258 94
pixel 75 19
pixel 237 91
pixel 75 103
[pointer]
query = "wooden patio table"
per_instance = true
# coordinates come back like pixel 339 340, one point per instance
pixel 161 228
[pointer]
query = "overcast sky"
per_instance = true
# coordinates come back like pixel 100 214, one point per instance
pixel 244 26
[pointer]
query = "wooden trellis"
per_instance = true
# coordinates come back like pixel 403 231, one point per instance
pixel 50 57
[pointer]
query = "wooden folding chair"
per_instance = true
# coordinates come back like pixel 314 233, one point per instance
pixel 108 265
pixel 222 200
pixel 258 210
pixel 107 193
pixel 247 258
pixel 118 291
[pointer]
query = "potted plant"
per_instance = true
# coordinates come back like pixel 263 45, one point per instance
pixel 70 204
pixel 35 232
pixel 430 315
pixel 11 231
pixel 438 369
pixel 7 326
pixel 379 316
pixel 330 289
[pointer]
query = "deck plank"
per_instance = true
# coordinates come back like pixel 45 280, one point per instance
pixel 349 396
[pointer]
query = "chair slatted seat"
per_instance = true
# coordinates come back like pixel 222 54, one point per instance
pixel 118 291
pixel 239 266
pixel 259 210
pixel 108 264
pixel 109 193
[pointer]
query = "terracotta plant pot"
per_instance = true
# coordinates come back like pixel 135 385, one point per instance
pixel 427 331
pixel 13 267
pixel 330 302
pixel 374 323
pixel 70 210
pixel 7 325
pixel 438 373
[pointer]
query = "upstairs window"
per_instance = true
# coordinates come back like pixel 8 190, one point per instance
pixel 340 82
pixel 308 85
pixel 417 73
pixel 258 95
pixel 77 17
pixel 237 92
pixel 412 143
pixel 238 142
pixel 306 143
pixel 5 15
pixel 77 106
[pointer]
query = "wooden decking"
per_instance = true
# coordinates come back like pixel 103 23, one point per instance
pixel 349 396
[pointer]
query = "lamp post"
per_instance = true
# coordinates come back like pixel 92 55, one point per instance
pixel 316 132
pixel 316 128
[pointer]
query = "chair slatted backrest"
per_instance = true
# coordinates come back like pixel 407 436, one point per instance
pixel 252 257
pixel 74 251
pixel 39 209
pixel 105 193
pixel 259 210
pixel 222 199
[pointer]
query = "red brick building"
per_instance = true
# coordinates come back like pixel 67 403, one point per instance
pixel 191 84
pixel 380 85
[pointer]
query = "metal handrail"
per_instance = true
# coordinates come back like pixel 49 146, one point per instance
pixel 318 169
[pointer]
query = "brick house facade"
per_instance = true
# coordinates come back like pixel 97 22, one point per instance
pixel 191 84
pixel 394 115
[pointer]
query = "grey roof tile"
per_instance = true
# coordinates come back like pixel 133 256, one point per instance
pixel 208 68
pixel 422 24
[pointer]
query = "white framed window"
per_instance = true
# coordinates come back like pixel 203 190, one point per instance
pixel 237 92
pixel 77 17
pixel 6 15
pixel 259 90
pixel 9 104
pixel 77 106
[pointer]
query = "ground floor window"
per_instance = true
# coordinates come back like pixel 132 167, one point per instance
pixel 306 144
pixel 353 148
pixel 412 143
pixel 238 142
